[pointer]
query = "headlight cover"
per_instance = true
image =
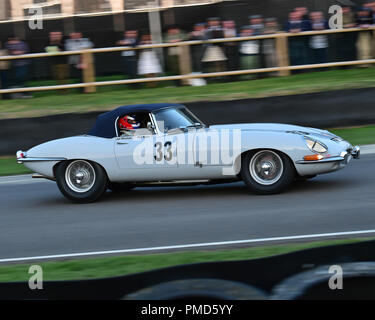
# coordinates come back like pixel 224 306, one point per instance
pixel 316 146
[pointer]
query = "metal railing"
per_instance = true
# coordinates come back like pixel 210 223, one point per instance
pixel 281 45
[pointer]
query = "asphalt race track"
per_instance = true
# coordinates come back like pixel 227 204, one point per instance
pixel 35 219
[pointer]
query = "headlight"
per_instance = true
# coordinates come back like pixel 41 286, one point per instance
pixel 316 146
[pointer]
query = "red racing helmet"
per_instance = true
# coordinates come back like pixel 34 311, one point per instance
pixel 128 123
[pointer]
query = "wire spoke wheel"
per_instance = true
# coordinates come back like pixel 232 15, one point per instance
pixel 80 176
pixel 266 167
pixel 81 181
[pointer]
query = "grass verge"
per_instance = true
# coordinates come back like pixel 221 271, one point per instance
pixel 49 103
pixel 116 266
pixel 356 136
pixel 10 167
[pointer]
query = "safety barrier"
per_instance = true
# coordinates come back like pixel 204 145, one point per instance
pixel 296 275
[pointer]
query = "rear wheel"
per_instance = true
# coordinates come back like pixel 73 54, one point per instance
pixel 267 171
pixel 81 181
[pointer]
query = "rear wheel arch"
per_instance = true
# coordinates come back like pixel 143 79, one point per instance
pixel 70 160
pixel 72 192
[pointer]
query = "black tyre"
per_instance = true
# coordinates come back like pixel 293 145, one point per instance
pixel 358 279
pixel 267 171
pixel 304 178
pixel 81 181
pixel 199 289
pixel 120 187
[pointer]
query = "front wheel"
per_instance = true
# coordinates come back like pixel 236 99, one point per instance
pixel 81 181
pixel 267 171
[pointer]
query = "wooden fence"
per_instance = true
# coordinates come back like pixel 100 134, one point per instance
pixel 281 43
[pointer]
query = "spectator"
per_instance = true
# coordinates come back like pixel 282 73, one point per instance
pixel 296 45
pixel 130 56
pixel 346 48
pixel 4 67
pixel 59 67
pixel 305 26
pixel 20 66
pixel 371 6
pixel 148 64
pixel 214 56
pixel 319 43
pixel 364 20
pixel 77 42
pixel 72 44
pixel 174 35
pixel 305 18
pixel 249 51
pixel 294 24
pixel 348 17
pixel 199 34
pixel 257 24
pixel 269 46
pixel 345 42
pixel 231 48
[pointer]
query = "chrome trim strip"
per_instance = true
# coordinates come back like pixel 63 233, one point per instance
pixel 117 135
pixel 155 123
pixel 39 176
pixel 176 182
pixel 21 160
pixel 326 160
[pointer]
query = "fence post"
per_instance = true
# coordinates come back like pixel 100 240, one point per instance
pixel 282 50
pixel 88 71
pixel 185 62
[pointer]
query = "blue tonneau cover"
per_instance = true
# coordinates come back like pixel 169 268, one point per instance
pixel 105 124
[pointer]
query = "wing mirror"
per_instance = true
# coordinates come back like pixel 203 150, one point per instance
pixel 151 127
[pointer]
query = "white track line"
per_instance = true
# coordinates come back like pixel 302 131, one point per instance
pixel 195 245
pixel 20 179
pixel 24 181
pixel 368 149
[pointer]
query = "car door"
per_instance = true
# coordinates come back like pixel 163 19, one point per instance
pixel 147 156
pixel 128 154
pixel 165 151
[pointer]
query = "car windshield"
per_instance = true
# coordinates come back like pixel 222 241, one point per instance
pixel 174 118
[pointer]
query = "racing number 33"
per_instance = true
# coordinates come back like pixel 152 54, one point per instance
pixel 167 149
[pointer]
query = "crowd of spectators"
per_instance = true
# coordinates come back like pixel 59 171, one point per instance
pixel 252 54
pixel 208 57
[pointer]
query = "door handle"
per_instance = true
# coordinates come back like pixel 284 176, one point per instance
pixel 122 142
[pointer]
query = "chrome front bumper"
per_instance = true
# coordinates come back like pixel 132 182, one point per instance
pixel 344 157
pixel 356 152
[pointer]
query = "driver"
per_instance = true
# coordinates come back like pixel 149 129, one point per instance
pixel 128 124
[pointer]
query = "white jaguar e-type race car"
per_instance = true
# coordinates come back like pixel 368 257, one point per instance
pixel 166 144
